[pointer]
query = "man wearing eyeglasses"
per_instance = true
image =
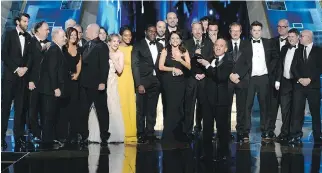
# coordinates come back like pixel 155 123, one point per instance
pixel 280 41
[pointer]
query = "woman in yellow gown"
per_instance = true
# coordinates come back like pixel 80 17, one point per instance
pixel 126 87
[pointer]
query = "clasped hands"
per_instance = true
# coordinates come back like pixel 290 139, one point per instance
pixel 234 77
pixel 304 81
pixel 21 71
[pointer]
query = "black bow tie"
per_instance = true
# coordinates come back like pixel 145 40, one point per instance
pixel 42 41
pixel 256 41
pixel 290 47
pixel 283 39
pixel 152 42
pixel 22 33
pixel 160 39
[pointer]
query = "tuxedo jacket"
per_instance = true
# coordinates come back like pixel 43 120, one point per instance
pixel 81 48
pixel 36 55
pixel 184 33
pixel 243 82
pixel 142 63
pixel 11 54
pixel 244 66
pixel 311 68
pixel 277 42
pixel 54 72
pixel 217 81
pixel 206 52
pixel 95 64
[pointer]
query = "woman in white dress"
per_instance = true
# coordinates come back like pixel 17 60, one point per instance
pixel 116 122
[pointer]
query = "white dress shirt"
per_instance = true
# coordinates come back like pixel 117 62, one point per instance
pixel 259 67
pixel 282 43
pixel 308 49
pixel 213 62
pixel 288 62
pixel 154 52
pixel 235 41
pixel 161 41
pixel 22 41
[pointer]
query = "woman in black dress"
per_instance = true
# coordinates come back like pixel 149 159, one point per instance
pixel 69 106
pixel 174 59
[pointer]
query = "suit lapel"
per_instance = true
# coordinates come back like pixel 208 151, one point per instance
pixel 265 45
pixel 15 34
pixel 88 50
pixel 146 47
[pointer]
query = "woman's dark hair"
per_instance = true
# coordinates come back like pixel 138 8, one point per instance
pixel 124 28
pixel 181 47
pixel 104 30
pixel 69 32
pixel 38 25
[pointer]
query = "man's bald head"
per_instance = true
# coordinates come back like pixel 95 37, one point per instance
pixel 92 31
pixel 70 23
pixel 172 19
pixel 58 36
pixel 306 37
pixel 283 27
pixel 161 27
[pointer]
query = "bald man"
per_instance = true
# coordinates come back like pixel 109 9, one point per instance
pixel 93 79
pixel 69 23
pixel 306 70
pixel 53 77
pixel 161 28
pixel 172 25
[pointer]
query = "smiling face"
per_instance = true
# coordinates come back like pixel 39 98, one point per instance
pixel 102 35
pixel 175 40
pixel 161 27
pixel 151 33
pixel 235 32
pixel 256 32
pixel 172 19
pixel 293 39
pixel 43 31
pixel 220 47
pixel 114 42
pixel 197 31
pixel 127 36
pixel 73 37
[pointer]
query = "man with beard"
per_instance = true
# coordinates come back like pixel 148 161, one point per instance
pixel 161 28
pixel 14 81
pixel 36 55
pixel 172 21
pixel 195 91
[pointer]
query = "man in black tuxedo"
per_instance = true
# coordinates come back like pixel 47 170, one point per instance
pixel 146 78
pixel 14 78
pixel 275 98
pixel 212 31
pixel 306 70
pixel 259 58
pixel 217 100
pixel 36 51
pixel 172 21
pixel 52 84
pixel 235 48
pixel 195 78
pixel 93 80
pixel 284 81
pixel 161 29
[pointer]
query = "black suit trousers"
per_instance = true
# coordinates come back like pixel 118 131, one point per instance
pixel 88 96
pixel 275 101
pixel 314 98
pixel 195 91
pixel 241 96
pixel 34 110
pixel 48 112
pixel 146 106
pixel 15 90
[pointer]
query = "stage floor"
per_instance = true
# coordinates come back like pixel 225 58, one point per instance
pixel 254 157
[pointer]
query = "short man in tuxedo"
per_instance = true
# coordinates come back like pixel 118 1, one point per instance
pixel 172 25
pixel 306 70
pixel 69 23
pixel 37 49
pixel 14 79
pixel 217 102
pixel 93 80
pixel 259 57
pixel 161 28
pixel 144 57
pixel 235 47
pixel 275 98
pixel 197 46
pixel 284 80
pixel 82 41
pixel 51 84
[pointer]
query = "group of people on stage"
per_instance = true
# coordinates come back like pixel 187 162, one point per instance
pixel 70 82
